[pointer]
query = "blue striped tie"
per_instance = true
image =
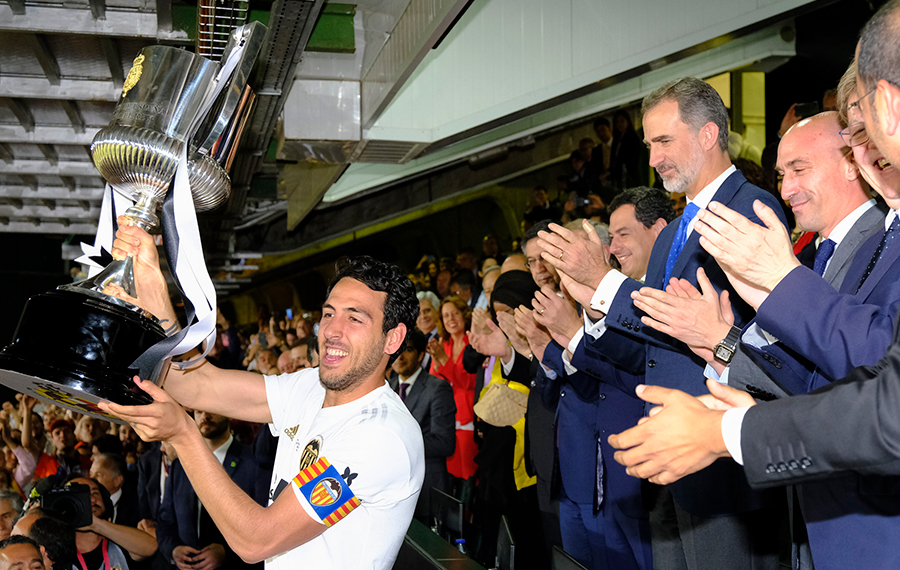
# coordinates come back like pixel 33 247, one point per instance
pixel 680 238
pixel 886 240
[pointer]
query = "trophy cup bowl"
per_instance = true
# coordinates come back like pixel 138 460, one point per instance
pixel 158 113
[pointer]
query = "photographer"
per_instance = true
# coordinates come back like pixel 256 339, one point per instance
pixel 103 545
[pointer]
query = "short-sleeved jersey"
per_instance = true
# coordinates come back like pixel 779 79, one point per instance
pixel 373 444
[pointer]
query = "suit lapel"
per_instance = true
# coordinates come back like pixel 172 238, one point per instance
pixel 416 391
pixel 231 458
pixel 867 225
pixel 888 258
pixel 656 271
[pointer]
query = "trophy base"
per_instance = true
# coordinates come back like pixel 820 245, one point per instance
pixel 88 357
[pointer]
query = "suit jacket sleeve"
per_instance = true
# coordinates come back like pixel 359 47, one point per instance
pixel 167 526
pixel 440 439
pixel 144 510
pixel 850 425
pixel 472 359
pixel 835 330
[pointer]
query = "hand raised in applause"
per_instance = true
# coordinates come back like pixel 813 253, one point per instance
pixel 557 314
pixel 755 257
pixel 480 316
pixel 494 343
pixel 586 261
pixel 519 343
pixel 681 436
pixel 700 319
pixel 537 336
pixel 436 349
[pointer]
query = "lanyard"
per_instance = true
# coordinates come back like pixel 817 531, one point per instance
pixel 106 564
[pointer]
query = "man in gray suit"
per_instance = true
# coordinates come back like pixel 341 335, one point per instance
pixel 430 401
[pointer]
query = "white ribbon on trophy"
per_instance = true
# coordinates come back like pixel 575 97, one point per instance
pixel 114 204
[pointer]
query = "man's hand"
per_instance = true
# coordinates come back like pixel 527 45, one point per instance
pixel 491 344
pixel 556 314
pixel 680 437
pixel 29 402
pixel 210 558
pixel 149 282
pixel 584 260
pixel 184 557
pixel 480 316
pixel 163 420
pixel 758 255
pixel 518 341
pixel 147 526
pixel 537 336
pixel 724 398
pixel 697 318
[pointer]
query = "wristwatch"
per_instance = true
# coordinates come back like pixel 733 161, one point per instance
pixel 724 351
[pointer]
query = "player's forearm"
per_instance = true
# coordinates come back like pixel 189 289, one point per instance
pixel 236 394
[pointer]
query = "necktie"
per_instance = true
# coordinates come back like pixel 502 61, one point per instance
pixel 886 240
pixel 680 237
pixel 823 254
pixel 403 388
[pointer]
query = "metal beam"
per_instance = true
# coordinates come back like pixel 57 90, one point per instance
pixel 46 211
pixel 30 181
pixel 45 57
pixel 69 183
pixel 6 153
pixel 36 167
pixel 44 225
pixel 114 60
pixel 20 109
pixel 84 193
pixel 164 15
pixel 46 135
pixel 37 88
pixel 17 7
pixel 71 109
pixel 49 153
pixel 123 23
pixel 98 9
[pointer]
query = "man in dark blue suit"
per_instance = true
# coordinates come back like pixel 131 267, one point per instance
pixel 802 308
pixel 153 471
pixel 712 519
pixel 430 401
pixel 185 532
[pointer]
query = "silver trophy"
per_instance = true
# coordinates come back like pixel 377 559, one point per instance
pixel 170 99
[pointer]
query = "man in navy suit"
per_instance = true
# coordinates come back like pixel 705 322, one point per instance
pixel 153 471
pixel 430 401
pixel 185 532
pixel 825 181
pixel 713 519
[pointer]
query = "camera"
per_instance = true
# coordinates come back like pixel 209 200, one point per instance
pixel 70 504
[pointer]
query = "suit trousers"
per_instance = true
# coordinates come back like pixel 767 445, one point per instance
pixel 582 533
pixel 682 541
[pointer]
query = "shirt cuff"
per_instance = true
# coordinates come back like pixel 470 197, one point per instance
pixel 507 368
pixel 573 346
pixel 710 372
pixel 549 372
pixel 756 337
pixel 731 432
pixel 594 329
pixel 606 291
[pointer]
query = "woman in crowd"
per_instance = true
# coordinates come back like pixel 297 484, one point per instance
pixel 455 318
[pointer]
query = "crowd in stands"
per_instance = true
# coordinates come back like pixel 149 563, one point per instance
pixel 527 356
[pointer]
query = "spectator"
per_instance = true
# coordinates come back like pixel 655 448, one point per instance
pixel 10 506
pixel 626 153
pixel 70 462
pixel 110 471
pixel 427 322
pixel 20 552
pixel 430 401
pixel 446 354
pixel 55 538
pixel 153 472
pixel 286 363
pixel 602 154
pixel 183 540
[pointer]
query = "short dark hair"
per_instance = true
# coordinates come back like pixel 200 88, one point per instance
pixel 107 443
pixel 602 121
pixel 575 155
pixel 401 305
pixel 312 347
pixel 650 204
pixel 698 104
pixel 879 51
pixel 21 539
pixel 57 538
pixel 416 341
pixel 464 279
pixel 532 232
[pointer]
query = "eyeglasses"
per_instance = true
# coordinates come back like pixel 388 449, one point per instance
pixel 855 134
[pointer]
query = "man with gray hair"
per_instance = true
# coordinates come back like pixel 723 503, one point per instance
pixel 10 506
pixel 711 520
pixel 427 320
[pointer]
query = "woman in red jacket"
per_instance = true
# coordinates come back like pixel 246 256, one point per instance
pixel 446 362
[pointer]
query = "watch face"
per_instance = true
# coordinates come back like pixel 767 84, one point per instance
pixel 723 353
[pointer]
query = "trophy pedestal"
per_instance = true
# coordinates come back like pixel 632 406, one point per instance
pixel 74 349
